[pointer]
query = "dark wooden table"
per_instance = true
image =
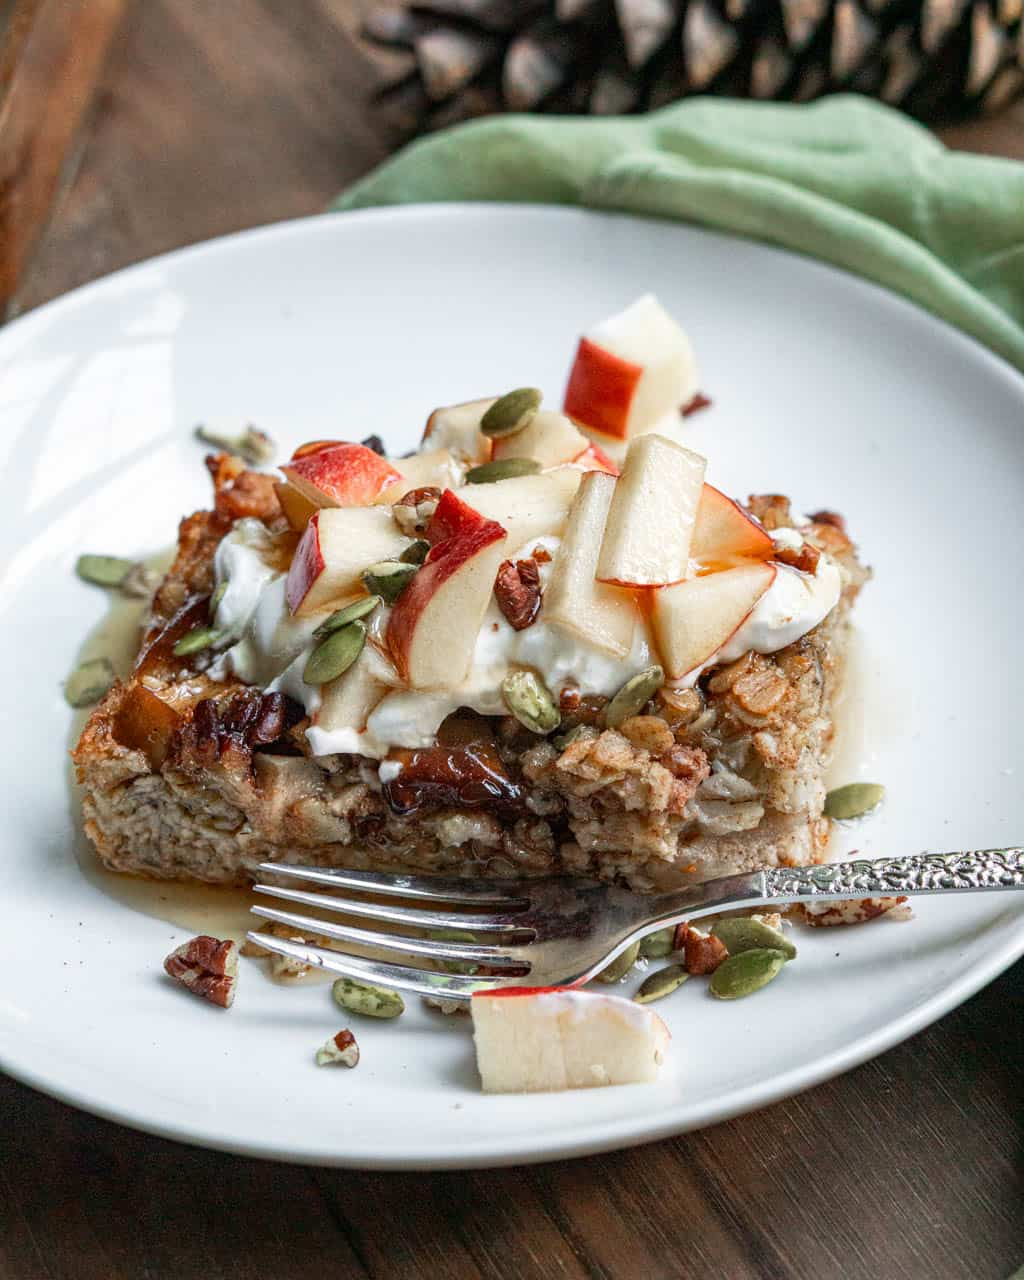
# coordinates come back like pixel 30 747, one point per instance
pixel 197 117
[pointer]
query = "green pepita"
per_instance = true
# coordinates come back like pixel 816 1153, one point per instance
pixel 388 578
pixel 633 696
pixel 502 469
pixel 854 800
pixel 746 973
pixel 454 935
pixel 567 739
pixel 333 656
pixel 661 983
pixel 350 613
pixel 103 571
pixel 364 998
pixel 621 965
pixel 530 701
pixel 415 552
pixel 656 946
pixel 252 446
pixel 511 413
pixel 196 640
pixel 744 933
pixel 89 682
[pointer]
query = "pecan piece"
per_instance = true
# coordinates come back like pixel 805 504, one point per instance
pixel 208 967
pixel 517 588
pixel 772 509
pixel 414 510
pixel 702 952
pixel 698 402
pixel 805 557
pixel 829 517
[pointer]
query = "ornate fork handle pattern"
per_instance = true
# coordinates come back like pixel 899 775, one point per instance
pixel 927 873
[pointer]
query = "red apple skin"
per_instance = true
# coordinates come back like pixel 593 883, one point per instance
pixel 529 991
pixel 314 446
pixel 750 540
pixel 601 388
pixel 296 508
pixel 594 458
pixel 341 475
pixel 307 564
pixel 456 534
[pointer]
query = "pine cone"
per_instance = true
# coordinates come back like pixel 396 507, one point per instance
pixel 458 59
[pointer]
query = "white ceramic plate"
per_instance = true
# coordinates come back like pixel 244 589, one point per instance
pixel 824 388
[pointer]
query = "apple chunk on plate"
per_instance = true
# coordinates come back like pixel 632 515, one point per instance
pixel 652 514
pixel 530 1040
pixel 527 507
pixel 435 469
pixel 693 620
pixel 340 475
pixel 603 616
pixel 456 427
pixel 433 625
pixel 725 532
pixel 338 544
pixel 631 371
pixel 549 437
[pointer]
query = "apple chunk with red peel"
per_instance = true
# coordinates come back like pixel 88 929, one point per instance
pixel 338 544
pixel 532 1040
pixel 346 703
pixel 693 620
pixel 549 437
pixel 456 427
pixel 594 458
pixel 653 510
pixel 631 371
pixel 433 625
pixel 296 508
pixel 725 532
pixel 341 475
pixel 603 616
pixel 526 507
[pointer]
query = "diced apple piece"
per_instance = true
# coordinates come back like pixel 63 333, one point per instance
pixel 433 625
pixel 336 547
pixel 725 532
pixel 603 616
pixel 296 508
pixel 341 475
pixel 694 619
pixel 527 507
pixel 631 371
pixel 346 703
pixel 653 510
pixel 457 429
pixel 435 469
pixel 549 437
pixel 531 1040
pixel 594 458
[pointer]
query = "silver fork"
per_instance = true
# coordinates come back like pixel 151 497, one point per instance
pixel 560 932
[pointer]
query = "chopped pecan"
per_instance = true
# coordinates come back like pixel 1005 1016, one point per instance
pixel 832 518
pixel 414 510
pixel 805 558
pixel 207 966
pixel 702 952
pixel 239 493
pixel 247 719
pixel 517 588
pixel 340 1049
pixel 699 401
pixel 541 554
pixel 772 509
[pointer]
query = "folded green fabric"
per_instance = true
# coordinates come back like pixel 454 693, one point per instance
pixel 844 179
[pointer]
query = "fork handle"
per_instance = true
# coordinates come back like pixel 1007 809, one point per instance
pixel 924 873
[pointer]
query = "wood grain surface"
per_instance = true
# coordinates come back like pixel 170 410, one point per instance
pixel 212 115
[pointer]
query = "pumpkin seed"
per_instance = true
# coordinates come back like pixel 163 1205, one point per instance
pixel 388 578
pixel 621 965
pixel 350 613
pixel 333 657
pixel 88 682
pixel 530 701
pixel 656 946
pixel 196 640
pixel 746 973
pixel 363 997
pixel 252 446
pixel 217 597
pixel 415 552
pixel 503 469
pixel 633 696
pixel 103 571
pixel 854 800
pixel 454 935
pixel 511 413
pixel 567 739
pixel 661 983
pixel 744 933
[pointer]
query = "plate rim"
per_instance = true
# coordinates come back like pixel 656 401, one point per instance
pixel 625 1131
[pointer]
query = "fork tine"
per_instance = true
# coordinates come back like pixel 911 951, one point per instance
pixel 391 941
pixel 447 986
pixel 471 892
pixel 414 916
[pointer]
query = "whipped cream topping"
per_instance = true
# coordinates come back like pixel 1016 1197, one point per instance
pixel 271 648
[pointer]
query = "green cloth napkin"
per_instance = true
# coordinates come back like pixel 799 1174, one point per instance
pixel 844 179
